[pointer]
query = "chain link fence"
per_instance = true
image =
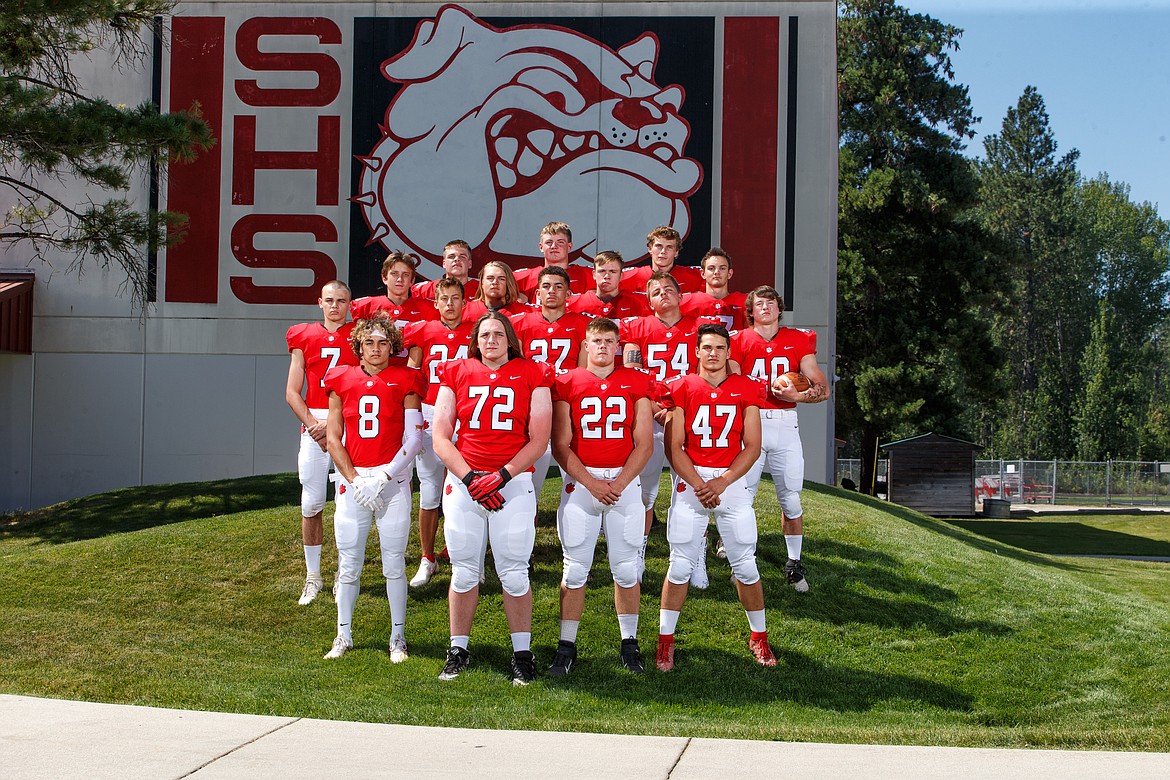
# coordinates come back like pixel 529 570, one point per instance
pixel 1105 483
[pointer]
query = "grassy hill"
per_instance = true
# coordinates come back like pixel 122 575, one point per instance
pixel 914 631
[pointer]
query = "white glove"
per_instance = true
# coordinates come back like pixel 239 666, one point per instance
pixel 367 491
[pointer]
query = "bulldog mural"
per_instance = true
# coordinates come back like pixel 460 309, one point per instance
pixel 495 132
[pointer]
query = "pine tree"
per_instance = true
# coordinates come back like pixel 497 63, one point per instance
pixel 916 272
pixel 1027 198
pixel 51 132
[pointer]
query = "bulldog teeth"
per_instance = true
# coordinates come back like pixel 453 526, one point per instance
pixel 497 127
pixel 505 175
pixel 558 152
pixel 573 142
pixel 541 140
pixel 506 148
pixel 663 153
pixel 529 163
pixel 594 141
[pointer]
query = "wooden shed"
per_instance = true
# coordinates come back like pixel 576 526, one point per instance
pixel 933 474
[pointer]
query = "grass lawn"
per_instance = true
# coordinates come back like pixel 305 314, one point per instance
pixel 915 631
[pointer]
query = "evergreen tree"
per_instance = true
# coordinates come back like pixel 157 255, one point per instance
pixel 916 271
pixel 52 133
pixel 1027 198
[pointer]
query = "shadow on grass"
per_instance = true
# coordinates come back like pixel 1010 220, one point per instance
pixel 1064 538
pixel 136 508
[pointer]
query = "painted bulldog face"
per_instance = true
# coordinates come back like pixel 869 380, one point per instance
pixel 498 132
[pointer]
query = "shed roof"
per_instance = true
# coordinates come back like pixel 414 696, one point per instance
pixel 931 436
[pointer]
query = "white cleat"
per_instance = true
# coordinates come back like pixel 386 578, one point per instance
pixel 312 587
pixel 340 646
pixel 426 570
pixel 398 651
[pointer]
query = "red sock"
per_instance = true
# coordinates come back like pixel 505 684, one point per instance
pixel 430 558
pixel 666 639
pixel 760 635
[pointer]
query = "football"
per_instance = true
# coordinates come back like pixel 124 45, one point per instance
pixel 798 380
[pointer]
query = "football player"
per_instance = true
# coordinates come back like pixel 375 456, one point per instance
pixel 602 435
pixel 398 276
pixel 456 265
pixel 663 244
pixel 767 351
pixel 717 300
pixel 315 347
pixel 551 335
pixel 430 344
pixel 714 439
pixel 497 292
pixel 607 298
pixel 502 406
pixel 375 430
pixel 555 245
pixel 663 344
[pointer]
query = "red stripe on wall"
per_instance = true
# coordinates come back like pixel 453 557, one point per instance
pixel 751 135
pixel 197 57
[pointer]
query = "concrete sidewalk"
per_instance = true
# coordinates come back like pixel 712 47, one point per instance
pixel 53 739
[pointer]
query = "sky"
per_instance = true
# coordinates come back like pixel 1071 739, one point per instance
pixel 1102 67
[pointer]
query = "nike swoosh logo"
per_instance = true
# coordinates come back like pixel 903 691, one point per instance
pixel 736 395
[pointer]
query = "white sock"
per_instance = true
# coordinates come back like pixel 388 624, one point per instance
pixel 460 641
pixel 313 559
pixel 667 621
pixel 521 641
pixel 793 543
pixel 396 595
pixel 347 595
pixel 569 630
pixel 628 625
pixel 757 621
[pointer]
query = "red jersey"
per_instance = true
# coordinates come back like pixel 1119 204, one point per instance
pixel 492 407
pixel 411 310
pixel 714 416
pixel 666 351
pixel 476 309
pixel 558 343
pixel 580 280
pixel 769 358
pixel 427 289
pixel 689 279
pixel 623 305
pixel 322 350
pixel 602 412
pixel 728 310
pixel 372 407
pixel 438 344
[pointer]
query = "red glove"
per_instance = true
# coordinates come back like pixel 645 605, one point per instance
pixel 492 501
pixel 488 483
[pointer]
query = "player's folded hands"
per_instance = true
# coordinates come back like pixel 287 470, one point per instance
pixel 367 491
pixel 488 483
pixel 492 501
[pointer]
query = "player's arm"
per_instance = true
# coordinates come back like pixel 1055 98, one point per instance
pixel 442 429
pixel 296 401
pixel 539 430
pixel 819 390
pixel 680 461
pixel 335 431
pixel 414 357
pixel 643 435
pixel 632 355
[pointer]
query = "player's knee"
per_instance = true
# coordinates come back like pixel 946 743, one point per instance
pixel 463 578
pixel 395 568
pixel 312 502
pixel 575 574
pixel 514 580
pixel 679 571
pixel 625 572
pixel 348 574
pixel 745 569
pixel 789 502
pixel 429 494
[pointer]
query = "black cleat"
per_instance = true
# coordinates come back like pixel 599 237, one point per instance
pixel 458 660
pixel 794 573
pixel 632 656
pixel 523 668
pixel 563 662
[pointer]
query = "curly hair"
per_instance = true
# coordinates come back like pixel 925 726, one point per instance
pixel 379 321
